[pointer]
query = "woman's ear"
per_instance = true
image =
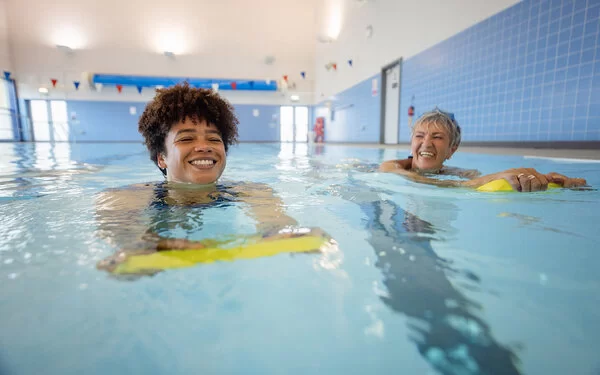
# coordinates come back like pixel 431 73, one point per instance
pixel 451 152
pixel 160 160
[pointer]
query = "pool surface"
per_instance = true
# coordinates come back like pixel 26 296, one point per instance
pixel 424 280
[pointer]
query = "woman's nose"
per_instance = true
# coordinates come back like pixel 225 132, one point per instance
pixel 202 146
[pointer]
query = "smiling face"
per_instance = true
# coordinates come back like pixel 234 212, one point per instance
pixel 430 146
pixel 195 153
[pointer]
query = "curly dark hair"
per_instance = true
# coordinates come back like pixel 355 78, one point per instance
pixel 174 104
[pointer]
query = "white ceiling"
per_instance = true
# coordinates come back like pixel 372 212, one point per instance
pixel 225 37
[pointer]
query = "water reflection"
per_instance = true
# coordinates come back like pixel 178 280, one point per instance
pixel 444 322
pixel 36 169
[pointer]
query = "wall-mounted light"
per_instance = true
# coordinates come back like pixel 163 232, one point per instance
pixel 294 98
pixel 170 39
pixel 66 49
pixel 68 37
pixel 43 90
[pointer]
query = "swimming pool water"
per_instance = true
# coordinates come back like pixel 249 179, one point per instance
pixel 425 280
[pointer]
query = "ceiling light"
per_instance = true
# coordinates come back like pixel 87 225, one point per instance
pixel 169 54
pixel 294 98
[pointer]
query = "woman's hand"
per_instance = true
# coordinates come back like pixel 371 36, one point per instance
pixel 521 179
pixel 565 181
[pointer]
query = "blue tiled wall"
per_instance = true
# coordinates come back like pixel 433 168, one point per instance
pixel 112 121
pixel 529 73
pixel 356 114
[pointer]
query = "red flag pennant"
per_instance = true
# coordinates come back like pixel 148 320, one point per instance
pixel 54 80
pixel 285 78
pixel 234 85
pixel 120 88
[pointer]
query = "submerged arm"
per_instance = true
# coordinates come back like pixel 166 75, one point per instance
pixel 265 207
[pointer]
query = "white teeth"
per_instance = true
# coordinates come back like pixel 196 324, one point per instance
pixel 425 153
pixel 202 162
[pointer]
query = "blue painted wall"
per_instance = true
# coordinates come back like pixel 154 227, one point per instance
pixel 263 128
pixel 112 121
pixel 104 121
pixel 356 114
pixel 529 73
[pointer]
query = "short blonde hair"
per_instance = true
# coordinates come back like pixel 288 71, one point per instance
pixel 444 119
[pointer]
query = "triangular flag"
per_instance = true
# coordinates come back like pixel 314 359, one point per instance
pixel 234 85
pixel 54 80
pixel 119 88
pixel 98 87
pixel 285 78
pixel 350 62
pixel 215 87
pixel 268 81
pixel 303 74
pixel 7 75
pixel 76 83
pixel 334 66
pixel 139 88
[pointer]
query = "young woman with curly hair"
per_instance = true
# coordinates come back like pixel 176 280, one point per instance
pixel 188 132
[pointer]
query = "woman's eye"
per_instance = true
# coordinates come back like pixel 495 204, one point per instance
pixel 184 139
pixel 215 140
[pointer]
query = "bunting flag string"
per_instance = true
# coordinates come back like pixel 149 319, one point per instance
pixel 54 81
pixel 139 88
pixel 120 88
pixel 7 75
pixel 76 84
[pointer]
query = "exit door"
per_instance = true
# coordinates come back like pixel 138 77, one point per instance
pixel 390 102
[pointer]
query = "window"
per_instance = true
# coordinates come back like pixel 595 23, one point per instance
pixel 293 123
pixel 49 124
pixel 6 126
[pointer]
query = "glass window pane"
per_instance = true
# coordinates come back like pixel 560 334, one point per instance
pixel 39 116
pixel 6 127
pixel 60 123
pixel 301 124
pixel 286 118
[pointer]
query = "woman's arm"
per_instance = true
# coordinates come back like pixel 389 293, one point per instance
pixel 521 179
pixel 265 207
pixel 392 165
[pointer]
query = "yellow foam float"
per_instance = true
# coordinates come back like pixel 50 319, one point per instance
pixel 504 186
pixel 170 259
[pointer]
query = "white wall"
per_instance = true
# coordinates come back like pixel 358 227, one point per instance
pixel 5 63
pixel 401 28
pixel 211 39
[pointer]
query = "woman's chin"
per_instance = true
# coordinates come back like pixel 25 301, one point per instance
pixel 428 168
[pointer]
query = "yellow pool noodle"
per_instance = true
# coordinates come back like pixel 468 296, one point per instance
pixel 503 185
pixel 168 259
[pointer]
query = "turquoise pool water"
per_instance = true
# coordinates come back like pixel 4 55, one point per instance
pixel 424 281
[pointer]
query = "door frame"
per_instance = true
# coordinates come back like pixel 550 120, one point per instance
pixel 383 94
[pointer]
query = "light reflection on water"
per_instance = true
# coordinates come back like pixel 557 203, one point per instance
pixel 424 280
